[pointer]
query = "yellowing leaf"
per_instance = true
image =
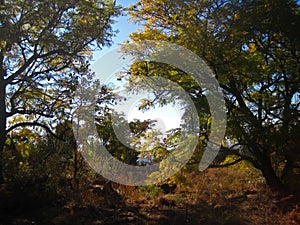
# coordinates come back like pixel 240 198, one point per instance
pixel 252 47
pixel 236 16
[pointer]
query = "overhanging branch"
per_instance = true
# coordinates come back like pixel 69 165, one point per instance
pixel 227 164
pixel 33 124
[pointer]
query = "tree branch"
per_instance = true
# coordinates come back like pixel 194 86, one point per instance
pixel 227 164
pixel 24 124
pixel 28 112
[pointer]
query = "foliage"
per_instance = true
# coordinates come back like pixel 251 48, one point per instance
pixel 44 51
pixel 254 51
pixel 151 191
pixel 127 153
pixel 244 165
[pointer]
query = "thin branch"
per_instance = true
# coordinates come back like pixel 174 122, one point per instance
pixel 25 124
pixel 29 112
pixel 227 164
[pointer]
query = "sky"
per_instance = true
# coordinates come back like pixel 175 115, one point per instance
pixel 167 117
pixel 123 28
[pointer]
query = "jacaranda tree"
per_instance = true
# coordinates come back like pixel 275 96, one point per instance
pixel 45 47
pixel 253 49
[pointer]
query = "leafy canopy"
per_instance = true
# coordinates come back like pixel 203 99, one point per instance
pixel 253 48
pixel 45 48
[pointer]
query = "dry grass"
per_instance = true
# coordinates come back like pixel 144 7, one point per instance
pixel 220 196
pixel 227 196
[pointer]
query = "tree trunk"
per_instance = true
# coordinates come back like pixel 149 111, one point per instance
pixel 2 124
pixel 291 175
pixel 75 173
pixel 269 174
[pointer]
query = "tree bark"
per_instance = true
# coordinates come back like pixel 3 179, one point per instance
pixel 269 174
pixel 291 176
pixel 2 124
pixel 75 174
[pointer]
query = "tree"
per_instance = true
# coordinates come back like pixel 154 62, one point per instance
pixel 45 47
pixel 253 48
pixel 128 154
